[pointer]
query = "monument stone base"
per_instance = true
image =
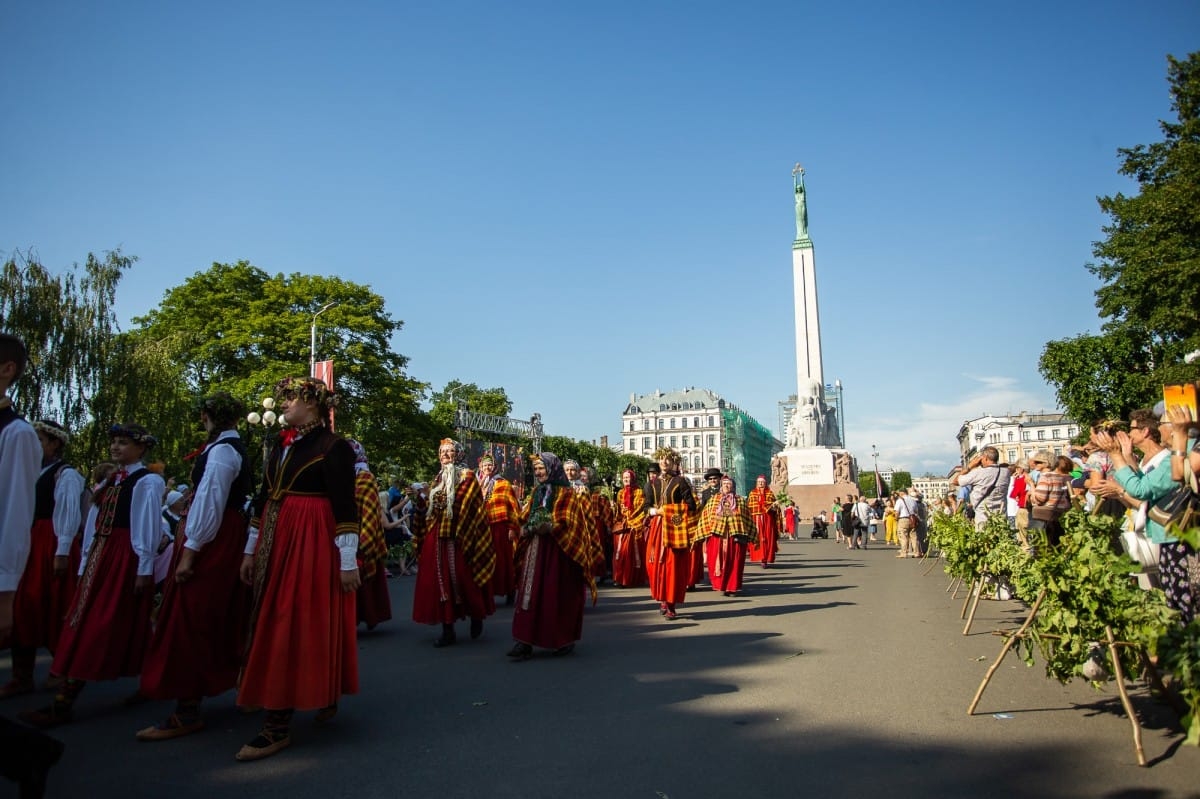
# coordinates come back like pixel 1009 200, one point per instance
pixel 816 476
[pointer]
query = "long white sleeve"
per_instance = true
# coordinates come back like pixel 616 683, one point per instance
pixel 20 463
pixel 347 544
pixel 68 493
pixel 145 519
pixel 212 494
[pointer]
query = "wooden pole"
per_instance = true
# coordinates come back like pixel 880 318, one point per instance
pixel 1118 673
pixel 971 591
pixel 975 604
pixel 1004 651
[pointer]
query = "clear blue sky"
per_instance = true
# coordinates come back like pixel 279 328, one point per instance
pixel 577 202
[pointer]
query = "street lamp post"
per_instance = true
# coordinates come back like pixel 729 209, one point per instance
pixel 878 480
pixel 266 420
pixel 312 349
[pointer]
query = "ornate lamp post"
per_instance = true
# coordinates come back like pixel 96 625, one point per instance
pixel 312 350
pixel 266 420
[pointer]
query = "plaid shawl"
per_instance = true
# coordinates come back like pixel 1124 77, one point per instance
pixel 737 523
pixel 372 548
pixel 573 533
pixel 502 505
pixel 760 501
pixel 632 519
pixel 468 527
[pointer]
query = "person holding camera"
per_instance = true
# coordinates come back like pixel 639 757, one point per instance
pixel 988 482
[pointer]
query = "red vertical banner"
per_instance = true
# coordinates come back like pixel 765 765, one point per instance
pixel 323 371
pixel 878 484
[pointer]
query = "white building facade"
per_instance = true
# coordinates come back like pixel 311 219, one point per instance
pixel 1017 437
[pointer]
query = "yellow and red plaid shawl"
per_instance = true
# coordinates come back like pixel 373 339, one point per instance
pixel 502 504
pixel 573 532
pixel 372 547
pixel 468 527
pixel 633 519
pixel 736 523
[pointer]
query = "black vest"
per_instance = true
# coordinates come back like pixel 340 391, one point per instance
pixel 243 484
pixel 43 506
pixel 125 499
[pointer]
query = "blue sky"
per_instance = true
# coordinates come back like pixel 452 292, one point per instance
pixel 579 202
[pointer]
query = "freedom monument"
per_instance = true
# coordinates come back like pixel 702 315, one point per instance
pixel 814 467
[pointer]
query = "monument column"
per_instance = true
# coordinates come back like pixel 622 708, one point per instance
pixel 804 284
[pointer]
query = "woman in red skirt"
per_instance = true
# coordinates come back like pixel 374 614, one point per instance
pixel 726 522
pixel 764 510
pixel 454 580
pixel 504 520
pixel 556 561
pixel 302 564
pixel 629 535
pixel 671 506
pixel 108 623
pixel 48 584
pixel 197 647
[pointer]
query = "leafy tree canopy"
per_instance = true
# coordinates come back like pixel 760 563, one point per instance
pixel 1149 268
pixel 493 401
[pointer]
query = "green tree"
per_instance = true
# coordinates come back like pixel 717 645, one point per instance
pixel 83 371
pixel 493 401
pixel 237 328
pixel 901 481
pixel 866 484
pixel 1149 268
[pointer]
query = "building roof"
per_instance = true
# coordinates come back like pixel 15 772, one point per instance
pixel 684 399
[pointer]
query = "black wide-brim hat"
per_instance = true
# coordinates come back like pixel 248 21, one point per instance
pixel 713 474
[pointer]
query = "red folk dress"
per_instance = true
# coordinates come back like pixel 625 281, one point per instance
pixel 730 532
pixel 629 539
pixel 504 521
pixel 457 557
pixel 199 642
pixel 303 650
pixel 672 531
pixel 766 522
pixel 556 558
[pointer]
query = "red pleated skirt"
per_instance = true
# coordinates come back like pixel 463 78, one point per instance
pixel 726 563
pixel 303 653
pixel 629 560
pixel 42 600
pixel 200 635
pixel 373 600
pixel 107 625
pixel 669 569
pixel 768 539
pixel 504 579
pixel 445 591
pixel 696 571
pixel 550 597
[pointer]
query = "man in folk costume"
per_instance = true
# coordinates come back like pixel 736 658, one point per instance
pixel 302 562
pixel 107 626
pixel 457 555
pixel 726 521
pixel 199 638
pixel 673 529
pixel 629 536
pixel 504 521
pixel 25 755
pixel 765 512
pixel 372 599
pixel 48 583
pixel 556 558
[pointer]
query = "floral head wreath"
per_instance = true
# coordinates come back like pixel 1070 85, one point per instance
pixel 222 407
pixel 307 389
pixel 135 433
pixel 53 429
pixel 667 454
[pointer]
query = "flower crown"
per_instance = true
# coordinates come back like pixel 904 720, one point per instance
pixel 307 389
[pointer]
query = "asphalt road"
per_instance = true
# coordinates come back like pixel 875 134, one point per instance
pixel 837 673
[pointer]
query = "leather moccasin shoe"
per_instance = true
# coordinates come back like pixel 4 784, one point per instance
pixel 173 727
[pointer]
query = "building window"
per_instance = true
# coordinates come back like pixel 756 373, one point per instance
pixel 711 423
pixel 696 463
pixel 1024 435
pixel 632 444
pixel 712 441
pixel 672 441
pixel 672 422
pixel 646 442
pixel 1010 436
pixel 661 441
pixel 695 421
pixel 712 461
pixel 1054 434
pixel 645 424
pixel 662 424
pixel 1041 435
pixel 695 441
pixel 1012 455
pixel 683 422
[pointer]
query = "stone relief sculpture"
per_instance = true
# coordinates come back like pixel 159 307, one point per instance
pixel 841 468
pixel 779 474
